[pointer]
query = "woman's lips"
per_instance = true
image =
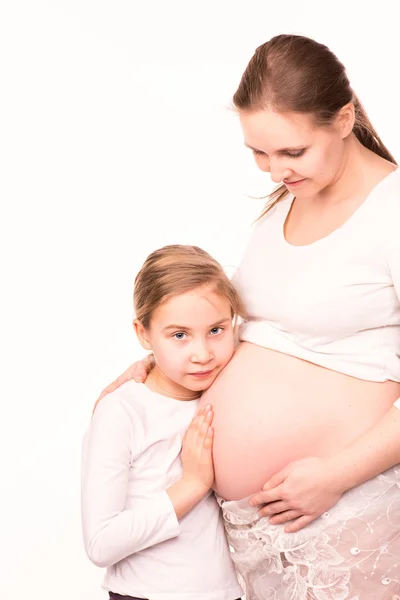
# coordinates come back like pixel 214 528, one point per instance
pixel 293 183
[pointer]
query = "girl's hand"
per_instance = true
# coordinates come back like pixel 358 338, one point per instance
pixel 138 371
pixel 197 460
pixel 299 493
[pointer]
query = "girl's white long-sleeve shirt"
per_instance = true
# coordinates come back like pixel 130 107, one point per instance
pixel 131 456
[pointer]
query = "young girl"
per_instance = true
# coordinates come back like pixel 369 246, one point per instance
pixel 148 511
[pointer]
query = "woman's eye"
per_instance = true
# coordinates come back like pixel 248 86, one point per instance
pixel 296 154
pixel 215 330
pixel 179 335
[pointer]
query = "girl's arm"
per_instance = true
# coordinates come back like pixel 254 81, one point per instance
pixel 112 532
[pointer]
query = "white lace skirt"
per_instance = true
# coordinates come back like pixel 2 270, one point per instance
pixel 351 552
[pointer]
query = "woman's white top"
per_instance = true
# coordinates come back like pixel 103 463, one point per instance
pixel 334 302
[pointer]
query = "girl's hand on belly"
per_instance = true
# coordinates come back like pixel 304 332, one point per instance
pixel 300 493
pixel 196 455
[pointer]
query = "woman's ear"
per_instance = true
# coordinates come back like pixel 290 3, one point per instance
pixel 345 119
pixel 142 334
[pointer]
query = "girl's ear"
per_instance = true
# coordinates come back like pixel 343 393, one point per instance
pixel 142 334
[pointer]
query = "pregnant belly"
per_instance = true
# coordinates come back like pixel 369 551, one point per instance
pixel 271 409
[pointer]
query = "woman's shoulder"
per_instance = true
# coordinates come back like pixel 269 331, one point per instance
pixel 388 188
pixel 384 210
pixel 387 198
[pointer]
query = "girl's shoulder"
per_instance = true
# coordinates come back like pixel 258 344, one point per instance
pixel 126 401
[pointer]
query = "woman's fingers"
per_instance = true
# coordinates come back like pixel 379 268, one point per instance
pixel 275 480
pixel 266 497
pixel 151 361
pixel 140 369
pixel 126 376
pixel 299 523
pixel 137 371
pixel 273 508
pixel 284 517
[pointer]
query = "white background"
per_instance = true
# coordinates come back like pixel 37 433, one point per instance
pixel 116 138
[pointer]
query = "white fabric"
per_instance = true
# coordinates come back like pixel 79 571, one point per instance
pixel 351 552
pixel 334 302
pixel 131 455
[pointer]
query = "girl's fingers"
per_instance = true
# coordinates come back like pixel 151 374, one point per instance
pixel 204 416
pixel 203 427
pixel 201 433
pixel 198 429
pixel 208 440
pixel 193 429
pixel 209 415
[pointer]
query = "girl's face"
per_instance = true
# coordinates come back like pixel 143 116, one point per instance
pixel 289 146
pixel 191 337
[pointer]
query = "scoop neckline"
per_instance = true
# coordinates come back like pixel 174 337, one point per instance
pixel 339 229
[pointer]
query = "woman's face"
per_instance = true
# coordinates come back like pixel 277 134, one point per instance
pixel 305 157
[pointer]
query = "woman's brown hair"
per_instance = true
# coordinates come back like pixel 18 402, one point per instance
pixel 174 270
pixel 292 73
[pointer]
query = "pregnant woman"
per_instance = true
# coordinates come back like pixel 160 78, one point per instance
pixel 306 407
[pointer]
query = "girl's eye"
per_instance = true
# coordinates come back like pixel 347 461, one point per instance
pixel 179 335
pixel 215 330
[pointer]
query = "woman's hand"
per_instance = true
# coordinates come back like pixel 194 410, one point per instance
pixel 138 371
pixel 299 493
pixel 197 460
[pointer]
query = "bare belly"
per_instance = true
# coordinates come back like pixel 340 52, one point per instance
pixel 271 409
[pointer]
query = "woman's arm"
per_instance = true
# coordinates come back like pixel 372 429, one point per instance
pixel 371 453
pixel 306 488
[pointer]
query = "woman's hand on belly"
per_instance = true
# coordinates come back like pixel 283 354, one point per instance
pixel 300 493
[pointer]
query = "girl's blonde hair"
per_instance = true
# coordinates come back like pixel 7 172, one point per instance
pixel 174 270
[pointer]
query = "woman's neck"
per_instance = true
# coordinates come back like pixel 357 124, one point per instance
pixel 360 171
